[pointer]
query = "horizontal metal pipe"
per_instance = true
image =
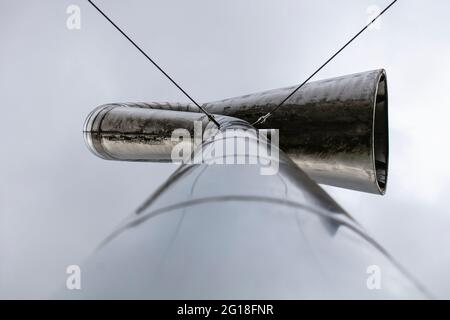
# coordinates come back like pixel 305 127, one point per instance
pixel 139 133
pixel 336 130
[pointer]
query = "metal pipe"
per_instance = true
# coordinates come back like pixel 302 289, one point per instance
pixel 229 232
pixel 336 130
pixel 139 133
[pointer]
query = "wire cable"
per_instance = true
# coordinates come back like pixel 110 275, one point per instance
pixel 209 115
pixel 263 118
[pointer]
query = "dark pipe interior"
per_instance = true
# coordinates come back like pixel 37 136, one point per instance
pixel 381 138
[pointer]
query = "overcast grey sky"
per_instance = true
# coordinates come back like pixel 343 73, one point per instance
pixel 57 200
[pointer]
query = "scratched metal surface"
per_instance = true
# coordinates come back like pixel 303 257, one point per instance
pixel 336 129
pixel 226 231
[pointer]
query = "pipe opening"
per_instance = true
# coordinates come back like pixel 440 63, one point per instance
pixel 381 138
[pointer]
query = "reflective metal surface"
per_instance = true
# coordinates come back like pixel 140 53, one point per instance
pixel 228 232
pixel 121 132
pixel 336 130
